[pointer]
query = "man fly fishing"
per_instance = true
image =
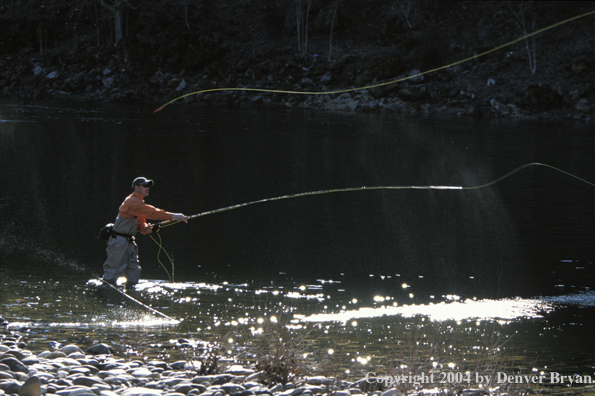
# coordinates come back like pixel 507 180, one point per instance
pixel 122 250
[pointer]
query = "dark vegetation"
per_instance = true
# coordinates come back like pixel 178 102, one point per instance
pixel 151 51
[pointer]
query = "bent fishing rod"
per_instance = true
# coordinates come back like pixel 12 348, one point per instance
pixel 351 189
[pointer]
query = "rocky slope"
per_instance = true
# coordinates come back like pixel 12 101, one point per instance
pixel 351 44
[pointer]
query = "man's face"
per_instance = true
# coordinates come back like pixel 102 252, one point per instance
pixel 143 189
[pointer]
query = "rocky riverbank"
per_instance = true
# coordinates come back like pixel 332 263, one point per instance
pixel 550 76
pixel 70 371
pixel 466 90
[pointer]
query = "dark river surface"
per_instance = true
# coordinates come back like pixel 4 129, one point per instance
pixel 498 276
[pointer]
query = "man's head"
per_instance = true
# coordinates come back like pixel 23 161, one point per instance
pixel 142 185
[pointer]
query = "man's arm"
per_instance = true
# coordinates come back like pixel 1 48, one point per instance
pixel 135 207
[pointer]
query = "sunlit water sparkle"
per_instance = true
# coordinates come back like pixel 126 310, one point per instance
pixel 358 332
pixel 504 309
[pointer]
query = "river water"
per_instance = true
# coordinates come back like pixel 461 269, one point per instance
pixel 494 279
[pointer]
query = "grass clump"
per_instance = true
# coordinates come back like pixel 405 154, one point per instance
pixel 282 349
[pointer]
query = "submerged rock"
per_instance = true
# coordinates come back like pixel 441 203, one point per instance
pixel 68 349
pixel 100 349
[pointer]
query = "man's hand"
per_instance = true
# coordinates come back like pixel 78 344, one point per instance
pixel 180 217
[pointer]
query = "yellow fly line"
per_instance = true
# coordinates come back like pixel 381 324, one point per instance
pixel 392 81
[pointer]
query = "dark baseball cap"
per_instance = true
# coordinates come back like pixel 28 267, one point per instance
pixel 142 180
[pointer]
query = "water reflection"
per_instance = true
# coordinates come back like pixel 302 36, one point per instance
pixel 584 299
pixel 502 310
pixel 243 304
pixel 125 319
pixel 360 331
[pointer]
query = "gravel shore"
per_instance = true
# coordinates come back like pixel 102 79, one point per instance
pixel 70 371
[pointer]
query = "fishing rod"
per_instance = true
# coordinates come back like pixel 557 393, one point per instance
pixel 351 189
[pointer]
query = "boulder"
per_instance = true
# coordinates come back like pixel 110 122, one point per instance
pixel 541 97
pixel 100 349
pixel 15 364
pixel 31 387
